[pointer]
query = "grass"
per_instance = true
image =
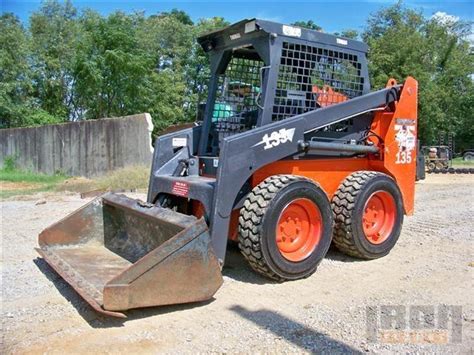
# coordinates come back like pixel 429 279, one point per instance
pixel 16 182
pixel 462 163
pixel 128 178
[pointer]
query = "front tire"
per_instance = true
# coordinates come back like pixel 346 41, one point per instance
pixel 285 227
pixel 368 214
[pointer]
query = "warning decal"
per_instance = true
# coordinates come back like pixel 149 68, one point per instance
pixel 180 189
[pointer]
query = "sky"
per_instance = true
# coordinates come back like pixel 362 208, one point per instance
pixel 332 16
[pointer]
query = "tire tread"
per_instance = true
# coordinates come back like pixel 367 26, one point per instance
pixel 343 204
pixel 251 218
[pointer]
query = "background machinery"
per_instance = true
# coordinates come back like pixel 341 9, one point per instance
pixel 294 152
pixel 437 157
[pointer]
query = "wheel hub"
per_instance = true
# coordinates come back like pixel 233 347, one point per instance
pixel 298 229
pixel 378 217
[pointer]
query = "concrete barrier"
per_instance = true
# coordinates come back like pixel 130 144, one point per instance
pixel 86 148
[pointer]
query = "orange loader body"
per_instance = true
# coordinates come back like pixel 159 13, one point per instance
pixel 397 131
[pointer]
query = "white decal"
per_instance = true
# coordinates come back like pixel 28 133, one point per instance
pixel 250 27
pixel 235 36
pixel 406 139
pixel 341 41
pixel 215 163
pixel 275 138
pixel 291 31
pixel 179 142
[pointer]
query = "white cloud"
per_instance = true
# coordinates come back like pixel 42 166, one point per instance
pixel 265 16
pixel 448 21
pixel 445 19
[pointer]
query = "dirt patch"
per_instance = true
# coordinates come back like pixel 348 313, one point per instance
pixel 128 178
pixel 447 179
pixel 12 186
pixel 325 313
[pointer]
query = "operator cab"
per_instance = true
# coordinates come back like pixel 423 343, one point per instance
pixel 262 72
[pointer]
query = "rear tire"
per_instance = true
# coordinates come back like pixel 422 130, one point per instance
pixel 280 209
pixel 368 214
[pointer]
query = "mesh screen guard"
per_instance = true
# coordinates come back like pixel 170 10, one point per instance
pixel 238 89
pixel 311 77
pixel 308 78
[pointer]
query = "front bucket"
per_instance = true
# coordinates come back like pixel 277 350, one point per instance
pixel 119 253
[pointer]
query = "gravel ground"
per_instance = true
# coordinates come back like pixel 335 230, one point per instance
pixel 432 265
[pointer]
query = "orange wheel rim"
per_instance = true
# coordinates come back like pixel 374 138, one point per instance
pixel 298 229
pixel 378 219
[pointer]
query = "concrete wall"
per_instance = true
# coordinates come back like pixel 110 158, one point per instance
pixel 87 148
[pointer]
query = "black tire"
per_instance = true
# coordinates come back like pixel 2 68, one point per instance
pixel 258 221
pixel 348 205
pixel 431 167
pixel 468 156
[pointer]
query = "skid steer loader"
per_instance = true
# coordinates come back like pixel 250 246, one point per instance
pixel 292 152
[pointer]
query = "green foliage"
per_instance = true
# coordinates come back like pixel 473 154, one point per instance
pixel 111 72
pixel 197 71
pixel 179 15
pixel 25 182
pixel 55 33
pixel 462 163
pixel 310 24
pixel 15 175
pixel 69 66
pixel 351 34
pixel 130 177
pixel 15 74
pixel 9 163
pixel 403 43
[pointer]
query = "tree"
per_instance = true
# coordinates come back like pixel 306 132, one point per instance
pixel 18 106
pixel 351 34
pixel 15 84
pixel 54 36
pixel 403 43
pixel 308 24
pixel 66 66
pixel 110 69
pixel 179 15
pixel 168 41
pixel 197 72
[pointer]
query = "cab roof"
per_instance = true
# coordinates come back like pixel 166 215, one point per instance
pixel 248 27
